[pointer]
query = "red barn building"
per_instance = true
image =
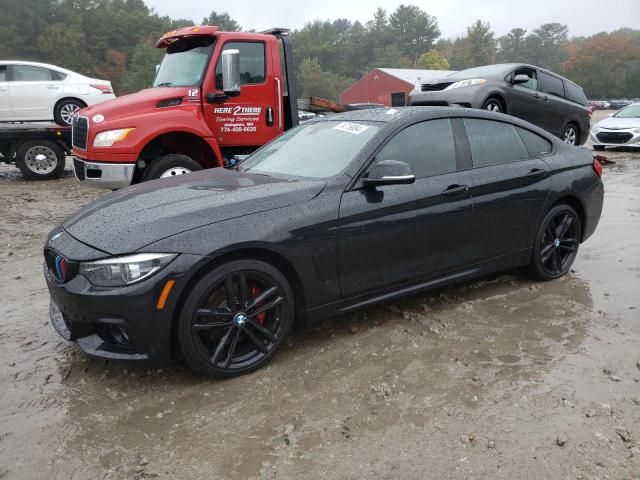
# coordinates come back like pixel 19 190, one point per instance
pixel 389 86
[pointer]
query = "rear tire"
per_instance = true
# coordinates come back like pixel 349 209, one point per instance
pixel 40 160
pixel 571 135
pixel 556 244
pixel 170 165
pixel 235 319
pixel 65 110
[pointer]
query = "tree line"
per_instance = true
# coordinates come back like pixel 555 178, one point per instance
pixel 114 39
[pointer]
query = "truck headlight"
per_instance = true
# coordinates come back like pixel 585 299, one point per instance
pixel 120 271
pixel 108 138
pixel 466 83
pixel 595 129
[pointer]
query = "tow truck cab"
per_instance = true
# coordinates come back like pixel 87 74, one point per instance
pixel 215 95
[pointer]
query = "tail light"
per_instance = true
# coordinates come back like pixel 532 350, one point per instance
pixel 597 166
pixel 106 89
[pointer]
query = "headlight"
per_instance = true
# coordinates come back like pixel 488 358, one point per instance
pixel 466 83
pixel 595 129
pixel 108 138
pixel 120 271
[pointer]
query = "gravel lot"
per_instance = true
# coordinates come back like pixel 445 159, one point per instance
pixel 499 378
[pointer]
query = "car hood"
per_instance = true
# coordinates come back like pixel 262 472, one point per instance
pixel 141 101
pixel 131 218
pixel 619 123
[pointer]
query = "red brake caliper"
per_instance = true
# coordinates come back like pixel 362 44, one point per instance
pixel 254 292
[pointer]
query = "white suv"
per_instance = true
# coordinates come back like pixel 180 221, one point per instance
pixel 32 91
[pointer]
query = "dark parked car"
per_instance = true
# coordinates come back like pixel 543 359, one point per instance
pixel 337 214
pixel 531 93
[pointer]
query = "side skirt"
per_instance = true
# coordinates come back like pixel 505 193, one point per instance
pixel 408 289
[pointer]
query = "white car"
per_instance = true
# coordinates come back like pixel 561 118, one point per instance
pixel 32 91
pixel 622 129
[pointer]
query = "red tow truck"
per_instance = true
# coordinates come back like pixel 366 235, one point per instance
pixel 216 95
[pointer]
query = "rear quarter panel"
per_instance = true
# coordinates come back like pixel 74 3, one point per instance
pixel 573 176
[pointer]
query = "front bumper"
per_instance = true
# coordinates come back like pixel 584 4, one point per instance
pixel 104 175
pixel 605 137
pixel 120 323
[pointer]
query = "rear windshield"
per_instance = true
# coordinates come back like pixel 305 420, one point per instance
pixel 575 93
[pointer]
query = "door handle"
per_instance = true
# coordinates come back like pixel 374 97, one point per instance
pixel 53 87
pixel 537 173
pixel 269 117
pixel 453 190
pixel 536 95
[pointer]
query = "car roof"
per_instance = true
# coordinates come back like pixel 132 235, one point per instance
pixel 396 117
pixel 37 64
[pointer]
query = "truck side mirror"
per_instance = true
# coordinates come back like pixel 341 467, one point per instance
pixel 231 72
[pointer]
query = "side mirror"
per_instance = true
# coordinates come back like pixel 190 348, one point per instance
pixel 389 172
pixel 520 78
pixel 231 72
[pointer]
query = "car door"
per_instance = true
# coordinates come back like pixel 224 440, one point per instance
pixel 510 185
pixel 555 114
pixel 525 99
pixel 32 91
pixel 6 111
pixel 395 233
pixel 248 119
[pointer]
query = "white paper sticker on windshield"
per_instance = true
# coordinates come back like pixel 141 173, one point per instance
pixel 349 127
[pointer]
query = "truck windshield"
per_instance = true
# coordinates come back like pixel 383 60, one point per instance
pixel 316 150
pixel 184 62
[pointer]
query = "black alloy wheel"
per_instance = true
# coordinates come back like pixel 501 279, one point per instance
pixel 557 243
pixel 235 319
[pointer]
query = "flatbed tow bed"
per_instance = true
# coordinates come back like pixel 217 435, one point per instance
pixel 37 149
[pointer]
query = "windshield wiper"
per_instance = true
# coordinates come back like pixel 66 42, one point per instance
pixel 164 84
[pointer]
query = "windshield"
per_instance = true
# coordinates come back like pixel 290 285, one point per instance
pixel 632 111
pixel 184 62
pixel 316 150
pixel 487 70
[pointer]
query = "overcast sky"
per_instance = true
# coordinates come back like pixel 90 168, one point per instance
pixel 584 17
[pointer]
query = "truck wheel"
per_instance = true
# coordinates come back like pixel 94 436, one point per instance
pixel 40 160
pixel 65 110
pixel 170 165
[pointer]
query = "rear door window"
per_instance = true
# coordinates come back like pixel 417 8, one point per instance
pixel 428 148
pixel 494 143
pixel 3 73
pixel 30 73
pixel 551 84
pixel 537 146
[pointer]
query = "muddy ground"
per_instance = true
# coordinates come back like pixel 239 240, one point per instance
pixel 499 378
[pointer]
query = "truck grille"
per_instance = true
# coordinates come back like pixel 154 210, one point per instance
pixel 80 132
pixel 435 87
pixel 614 137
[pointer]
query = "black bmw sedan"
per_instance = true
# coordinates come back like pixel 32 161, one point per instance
pixel 337 214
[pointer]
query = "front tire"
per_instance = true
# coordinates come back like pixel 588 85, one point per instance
pixel 65 110
pixel 493 105
pixel 556 244
pixel 40 160
pixel 171 165
pixel 235 319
